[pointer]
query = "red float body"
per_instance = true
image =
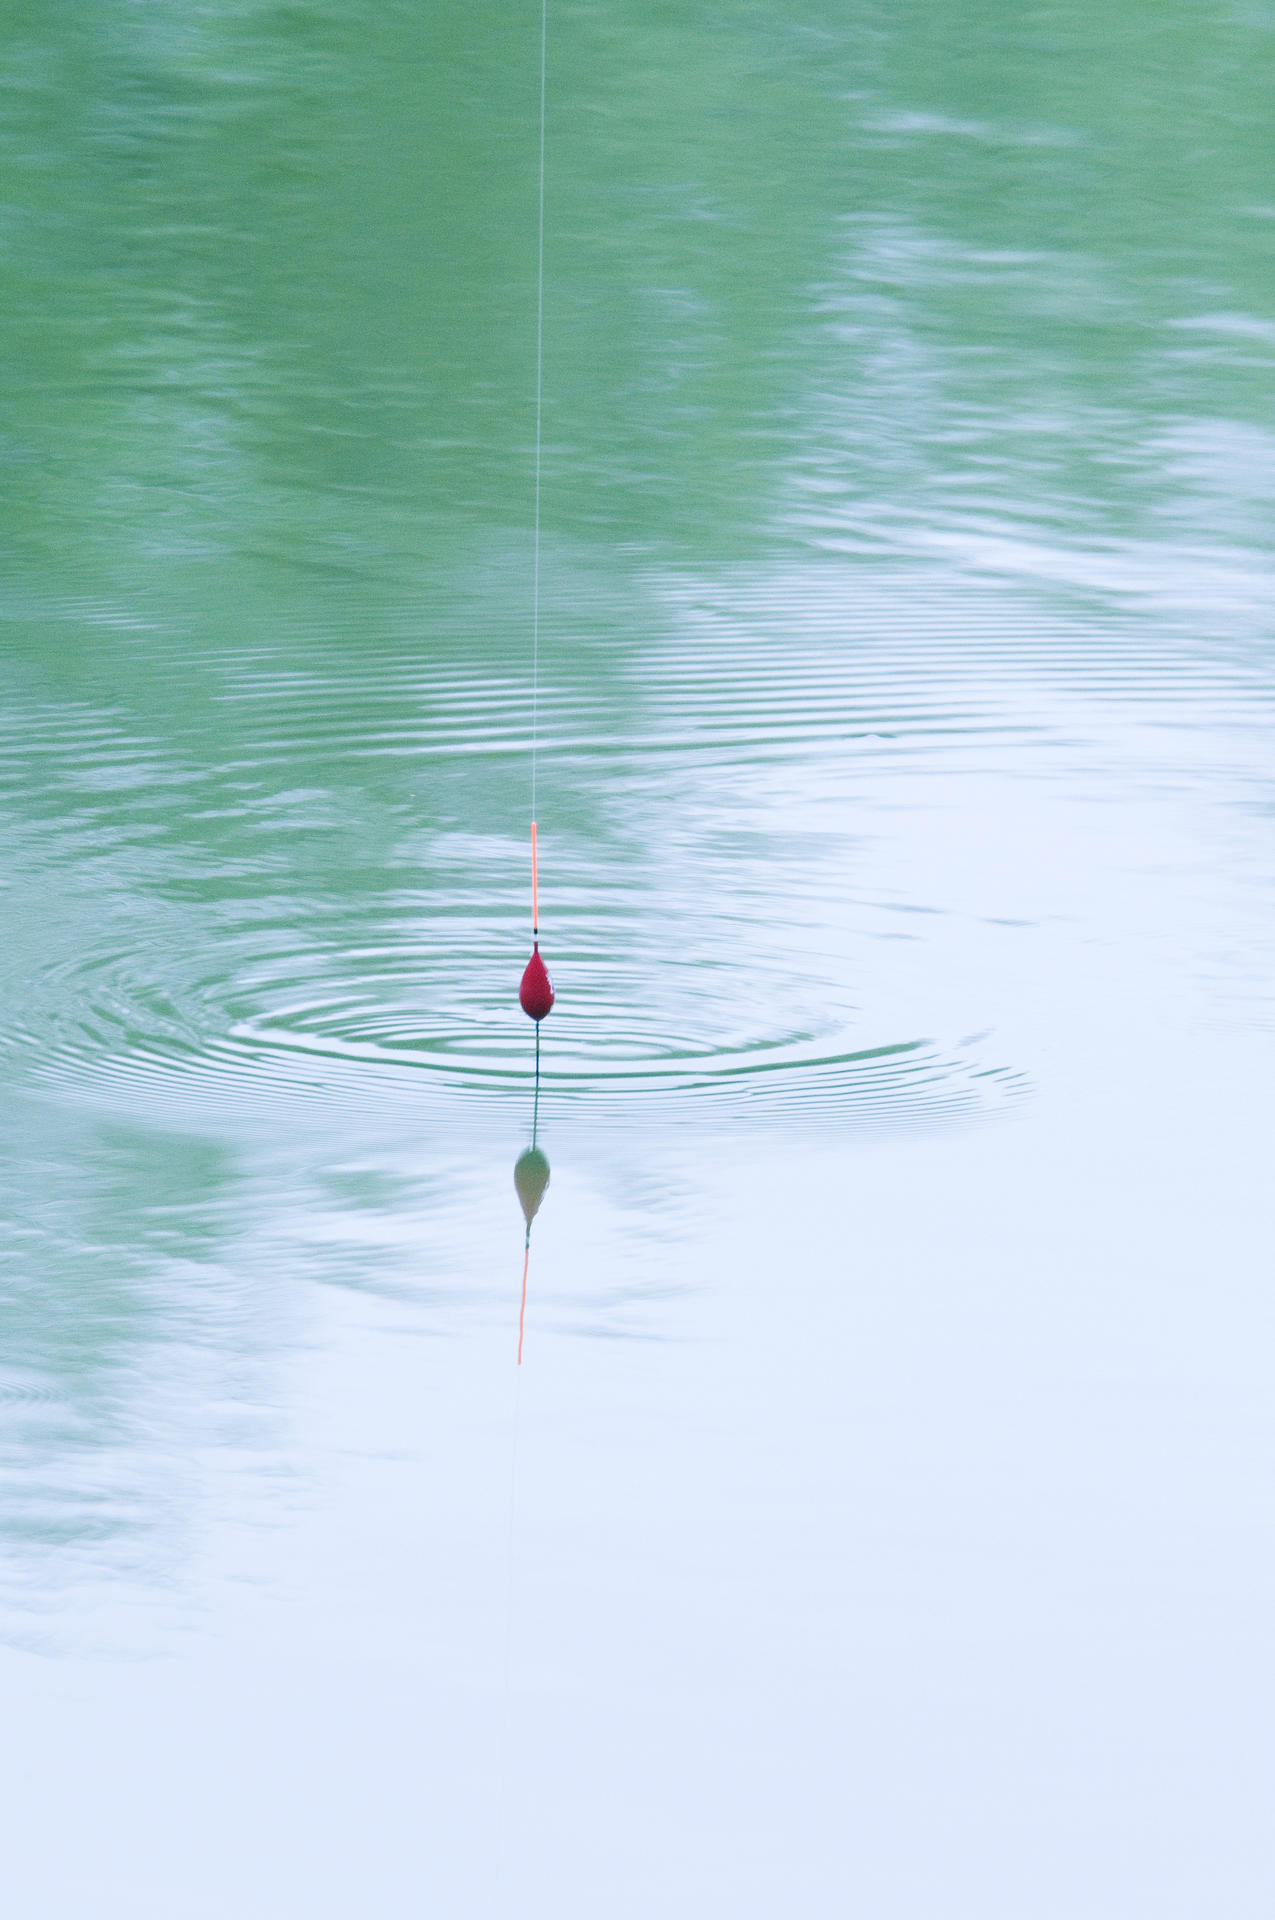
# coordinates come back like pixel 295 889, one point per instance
pixel 535 995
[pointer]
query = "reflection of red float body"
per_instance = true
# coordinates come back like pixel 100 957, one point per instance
pixel 535 995
pixel 531 1177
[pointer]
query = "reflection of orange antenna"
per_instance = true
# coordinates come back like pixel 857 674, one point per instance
pixel 522 1311
pixel 531 1177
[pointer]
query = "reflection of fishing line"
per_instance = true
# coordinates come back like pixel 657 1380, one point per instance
pixel 535 1098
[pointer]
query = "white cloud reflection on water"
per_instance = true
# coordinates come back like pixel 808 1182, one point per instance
pixel 866 1489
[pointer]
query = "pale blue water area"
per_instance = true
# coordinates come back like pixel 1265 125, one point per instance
pixel 881 1522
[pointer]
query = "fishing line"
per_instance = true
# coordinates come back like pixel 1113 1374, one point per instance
pixel 536 991
pixel 540 394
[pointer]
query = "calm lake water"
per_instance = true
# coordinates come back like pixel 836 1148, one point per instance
pixel 881 1523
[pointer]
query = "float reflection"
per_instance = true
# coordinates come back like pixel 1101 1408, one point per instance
pixel 531 1178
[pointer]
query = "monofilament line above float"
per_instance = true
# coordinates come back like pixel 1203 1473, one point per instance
pixel 535 994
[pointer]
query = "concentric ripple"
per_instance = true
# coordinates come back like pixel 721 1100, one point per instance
pixel 351 1048
pixel 299 878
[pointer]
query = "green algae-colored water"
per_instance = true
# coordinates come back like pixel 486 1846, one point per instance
pixel 879 1522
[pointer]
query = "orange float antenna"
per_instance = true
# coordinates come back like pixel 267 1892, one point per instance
pixel 535 886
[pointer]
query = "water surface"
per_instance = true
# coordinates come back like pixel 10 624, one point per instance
pixel 879 1521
